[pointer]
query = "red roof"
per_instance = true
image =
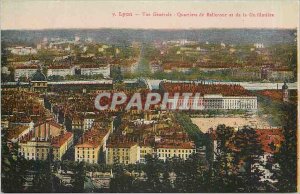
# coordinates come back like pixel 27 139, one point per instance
pixel 61 139
pixel 176 145
pixel 26 67
pixel 203 88
pixel 51 122
pixel 92 138
pixel 121 144
pixel 269 136
pixel 59 67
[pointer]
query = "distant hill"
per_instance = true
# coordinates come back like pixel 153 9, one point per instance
pixel 123 36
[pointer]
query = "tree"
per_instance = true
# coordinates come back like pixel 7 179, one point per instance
pixel 166 186
pixel 247 157
pixel 116 75
pixel 43 178
pixel 287 155
pixel 122 181
pixel 79 178
pixel 223 166
pixel 153 169
pixel 42 181
pixel 13 168
pixel 55 78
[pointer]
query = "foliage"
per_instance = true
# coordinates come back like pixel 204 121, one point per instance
pixel 13 168
pixel 287 155
pixel 79 178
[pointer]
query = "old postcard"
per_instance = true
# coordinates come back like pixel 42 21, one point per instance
pixel 149 96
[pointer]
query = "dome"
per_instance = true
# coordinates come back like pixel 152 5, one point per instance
pixel 38 76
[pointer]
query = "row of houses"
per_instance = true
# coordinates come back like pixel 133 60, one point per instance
pixel 63 70
pixel 132 152
pixel 273 74
pixel 128 152
pixel 35 143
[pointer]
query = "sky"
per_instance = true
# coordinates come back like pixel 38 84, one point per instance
pixel 53 14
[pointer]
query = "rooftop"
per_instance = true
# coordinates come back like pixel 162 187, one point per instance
pixel 61 139
pixel 16 131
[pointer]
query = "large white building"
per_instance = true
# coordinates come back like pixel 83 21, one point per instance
pixel 25 71
pixel 37 149
pixel 61 71
pixel 123 152
pixel 182 150
pixel 91 143
pixel 217 102
pixel 230 102
pixel 96 69
pixel 23 51
pixel 259 45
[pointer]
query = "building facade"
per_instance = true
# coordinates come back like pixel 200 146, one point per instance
pixel 60 71
pixel 61 144
pixel 215 102
pixel 96 69
pixel 23 51
pixel 25 71
pixel 124 153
